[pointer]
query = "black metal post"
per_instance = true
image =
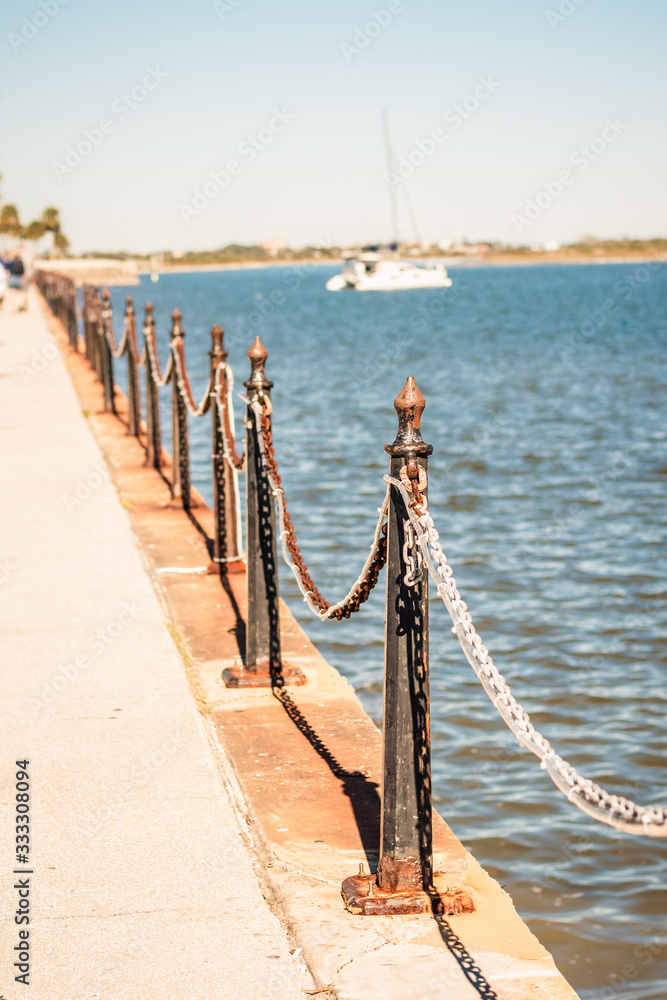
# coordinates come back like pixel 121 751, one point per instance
pixel 227 544
pixel 180 449
pixel 153 428
pixel 405 866
pixel 263 665
pixel 106 355
pixel 73 322
pixel 86 323
pixel 405 839
pixel 133 398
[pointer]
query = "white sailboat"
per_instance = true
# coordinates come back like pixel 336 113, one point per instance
pixel 371 270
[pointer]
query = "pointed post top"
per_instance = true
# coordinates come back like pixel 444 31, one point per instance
pixel 257 352
pixel 409 406
pixel 106 296
pixel 129 306
pixel 176 330
pixel 217 354
pixel 149 310
pixel 257 356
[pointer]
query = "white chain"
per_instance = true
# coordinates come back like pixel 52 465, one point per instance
pixel 217 392
pixel 194 409
pixel 614 810
pixel 307 596
pixel 155 366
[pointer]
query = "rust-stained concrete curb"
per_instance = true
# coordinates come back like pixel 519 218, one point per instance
pixel 305 771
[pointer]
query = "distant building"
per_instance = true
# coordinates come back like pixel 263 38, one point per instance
pixel 273 246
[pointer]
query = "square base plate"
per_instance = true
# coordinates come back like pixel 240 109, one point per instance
pixel 378 902
pixel 243 677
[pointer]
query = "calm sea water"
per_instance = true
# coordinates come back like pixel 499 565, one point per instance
pixel 545 391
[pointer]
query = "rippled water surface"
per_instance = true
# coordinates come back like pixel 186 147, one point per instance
pixel 545 391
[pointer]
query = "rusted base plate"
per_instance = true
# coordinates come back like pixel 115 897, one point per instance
pixel 233 566
pixel 381 903
pixel 253 677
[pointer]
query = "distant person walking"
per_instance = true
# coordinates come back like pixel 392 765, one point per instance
pixel 18 281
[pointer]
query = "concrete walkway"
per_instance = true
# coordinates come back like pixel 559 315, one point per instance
pixel 142 887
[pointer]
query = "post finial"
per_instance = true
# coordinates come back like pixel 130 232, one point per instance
pixel 217 354
pixel 409 406
pixel 257 356
pixel 176 329
pixel 129 306
pixel 106 296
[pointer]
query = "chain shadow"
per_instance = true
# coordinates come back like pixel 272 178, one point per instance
pixel 361 791
pixel 412 614
pixel 456 947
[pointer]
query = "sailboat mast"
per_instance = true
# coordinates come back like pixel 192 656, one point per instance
pixel 391 169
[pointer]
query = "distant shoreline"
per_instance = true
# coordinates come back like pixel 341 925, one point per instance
pixel 492 260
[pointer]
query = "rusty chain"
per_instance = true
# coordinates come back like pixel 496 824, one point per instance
pixel 223 398
pixel 361 590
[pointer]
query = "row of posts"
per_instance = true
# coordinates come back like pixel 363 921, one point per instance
pixel 405 866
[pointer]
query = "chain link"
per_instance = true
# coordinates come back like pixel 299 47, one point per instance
pixel 614 810
pixel 159 377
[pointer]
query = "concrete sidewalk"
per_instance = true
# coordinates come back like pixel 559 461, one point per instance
pixel 143 886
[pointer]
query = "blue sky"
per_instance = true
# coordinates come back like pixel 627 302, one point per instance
pixel 553 84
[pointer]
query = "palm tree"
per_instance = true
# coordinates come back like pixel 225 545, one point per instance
pixel 9 220
pixel 51 220
pixel 34 231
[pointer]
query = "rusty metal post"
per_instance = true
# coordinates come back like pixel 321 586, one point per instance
pixel 405 865
pixel 405 848
pixel 106 355
pixel 227 544
pixel 263 665
pixel 153 427
pixel 86 324
pixel 133 396
pixel 180 447
pixel 73 319
pixel 96 333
